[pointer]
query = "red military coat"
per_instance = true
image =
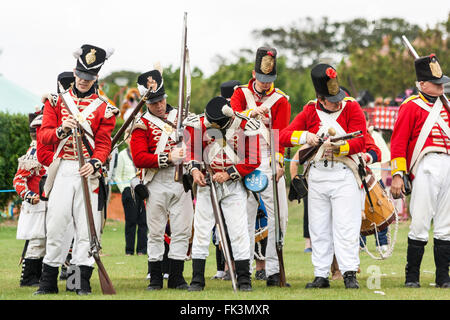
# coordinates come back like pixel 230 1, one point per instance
pixel 372 149
pixel 408 125
pixel 280 111
pixel 28 175
pixel 144 140
pixel 102 122
pixel 351 119
pixel 200 142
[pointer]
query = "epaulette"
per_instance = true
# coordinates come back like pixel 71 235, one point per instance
pixel 28 163
pixel 110 110
pixel 29 160
pixel 139 124
pixel 37 122
pixel 193 120
pixel 349 99
pixel 282 93
pixel 243 86
pixel 312 101
pixel 51 97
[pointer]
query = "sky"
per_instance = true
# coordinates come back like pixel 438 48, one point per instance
pixel 37 38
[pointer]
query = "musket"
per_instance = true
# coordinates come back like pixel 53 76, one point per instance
pixel 105 281
pixel 413 52
pixel 24 251
pixel 310 151
pixel 220 226
pixel 276 206
pixel 181 100
pixel 130 119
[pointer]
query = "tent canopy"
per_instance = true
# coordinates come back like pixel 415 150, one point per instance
pixel 15 99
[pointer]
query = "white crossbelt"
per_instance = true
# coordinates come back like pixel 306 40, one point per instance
pixel 432 118
pixel 166 132
pixel 251 104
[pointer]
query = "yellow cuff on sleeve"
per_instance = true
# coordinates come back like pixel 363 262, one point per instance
pixel 398 164
pixel 247 112
pixel 295 137
pixel 280 158
pixel 343 150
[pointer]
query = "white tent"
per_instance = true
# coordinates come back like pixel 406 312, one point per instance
pixel 15 99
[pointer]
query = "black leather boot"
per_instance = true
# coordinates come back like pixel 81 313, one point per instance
pixel 274 281
pixel 198 275
pixel 48 283
pixel 85 283
pixel 31 272
pixel 176 279
pixel 156 276
pixel 414 257
pixel 243 275
pixel 442 260
pixel 318 283
pixel 350 280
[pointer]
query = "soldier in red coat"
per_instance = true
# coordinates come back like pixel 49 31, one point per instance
pixel 335 196
pixel 45 155
pixel 228 142
pixel 63 186
pixel 256 100
pixel 154 149
pixel 420 147
pixel 31 225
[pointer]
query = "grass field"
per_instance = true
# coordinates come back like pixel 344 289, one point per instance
pixel 128 273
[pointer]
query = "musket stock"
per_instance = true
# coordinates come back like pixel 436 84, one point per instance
pixel 220 226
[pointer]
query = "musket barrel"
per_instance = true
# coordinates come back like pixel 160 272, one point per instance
pixel 410 47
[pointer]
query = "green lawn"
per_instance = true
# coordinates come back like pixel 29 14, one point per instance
pixel 128 273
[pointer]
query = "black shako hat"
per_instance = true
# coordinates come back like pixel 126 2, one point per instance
pixel 31 117
pixel 90 59
pixel 266 64
pixel 219 112
pixel 325 81
pixel 227 88
pixel 428 69
pixel 156 94
pixel 65 81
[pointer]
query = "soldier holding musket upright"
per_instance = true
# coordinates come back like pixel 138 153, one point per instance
pixel 256 100
pixel 154 149
pixel 335 194
pixel 222 148
pixel 420 147
pixel 66 202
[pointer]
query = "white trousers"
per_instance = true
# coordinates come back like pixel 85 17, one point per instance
pixel 35 249
pixel 334 213
pixel 233 199
pixel 66 218
pixel 168 200
pixel 430 198
pixel 272 265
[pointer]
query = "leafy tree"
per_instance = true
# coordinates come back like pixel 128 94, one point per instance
pixel 309 41
pixel 15 137
pixel 389 72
